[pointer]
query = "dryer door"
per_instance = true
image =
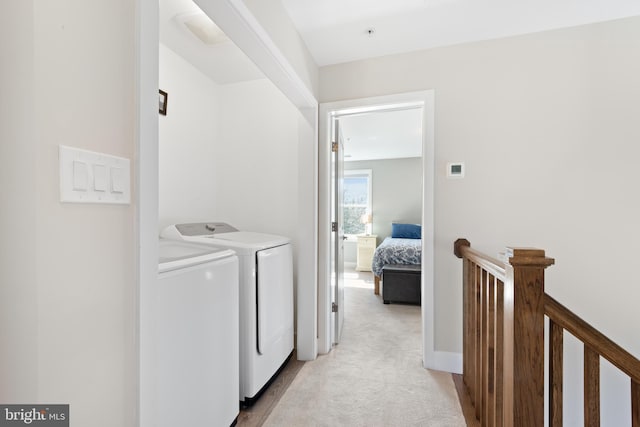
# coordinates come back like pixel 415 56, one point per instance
pixel 274 297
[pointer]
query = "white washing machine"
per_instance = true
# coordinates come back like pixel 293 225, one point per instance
pixel 266 298
pixel 195 337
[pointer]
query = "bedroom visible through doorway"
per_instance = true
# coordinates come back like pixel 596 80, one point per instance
pixel 382 186
pixel 382 177
pixel 393 182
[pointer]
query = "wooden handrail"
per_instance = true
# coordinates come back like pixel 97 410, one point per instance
pixel 462 248
pixel 586 333
pixel 504 309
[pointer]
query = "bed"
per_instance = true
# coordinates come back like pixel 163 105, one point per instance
pixel 395 251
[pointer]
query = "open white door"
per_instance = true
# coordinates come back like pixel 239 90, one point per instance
pixel 337 233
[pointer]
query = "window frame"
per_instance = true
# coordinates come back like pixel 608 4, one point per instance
pixel 368 173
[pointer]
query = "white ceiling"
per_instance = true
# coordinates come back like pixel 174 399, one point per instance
pixel 382 135
pixel 369 136
pixel 335 31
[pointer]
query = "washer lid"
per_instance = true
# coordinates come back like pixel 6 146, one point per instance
pixel 250 239
pixel 173 255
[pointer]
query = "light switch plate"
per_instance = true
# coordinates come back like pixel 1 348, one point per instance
pixel 88 177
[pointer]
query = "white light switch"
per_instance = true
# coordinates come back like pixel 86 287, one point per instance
pixel 80 176
pixel 90 177
pixel 117 180
pixel 99 178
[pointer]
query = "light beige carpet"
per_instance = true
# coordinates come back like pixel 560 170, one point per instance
pixel 374 377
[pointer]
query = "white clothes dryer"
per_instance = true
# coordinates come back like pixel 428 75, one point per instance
pixel 266 298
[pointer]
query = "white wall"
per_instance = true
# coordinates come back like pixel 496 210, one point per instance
pixel 396 195
pixel 188 141
pixel 68 272
pixel 18 277
pixel 256 160
pixel 229 153
pixel 547 126
pixel 258 186
pixel 397 191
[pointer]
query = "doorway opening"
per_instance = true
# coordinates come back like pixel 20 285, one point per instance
pixel 417 102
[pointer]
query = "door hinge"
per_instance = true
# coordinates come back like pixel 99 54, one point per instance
pixel 334 226
pixel 334 147
pixel 334 307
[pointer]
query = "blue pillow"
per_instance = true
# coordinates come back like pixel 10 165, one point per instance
pixel 406 231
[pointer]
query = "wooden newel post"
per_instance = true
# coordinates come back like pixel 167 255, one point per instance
pixel 458 245
pixel 524 337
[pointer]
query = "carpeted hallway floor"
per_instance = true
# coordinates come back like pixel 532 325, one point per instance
pixel 374 377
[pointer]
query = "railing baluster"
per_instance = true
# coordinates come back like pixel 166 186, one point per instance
pixel 591 387
pixel 499 380
pixel 491 351
pixel 476 338
pixel 466 308
pixel 484 311
pixel 635 403
pixel 555 374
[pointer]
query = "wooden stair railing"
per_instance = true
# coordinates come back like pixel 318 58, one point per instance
pixel 596 345
pixel 504 307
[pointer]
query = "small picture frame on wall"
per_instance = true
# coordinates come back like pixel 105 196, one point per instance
pixel 163 102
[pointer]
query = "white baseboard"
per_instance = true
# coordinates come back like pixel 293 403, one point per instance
pixel 444 361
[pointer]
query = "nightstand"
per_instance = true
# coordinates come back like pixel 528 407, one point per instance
pixel 365 248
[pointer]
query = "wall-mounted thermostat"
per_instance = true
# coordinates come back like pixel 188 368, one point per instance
pixel 455 170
